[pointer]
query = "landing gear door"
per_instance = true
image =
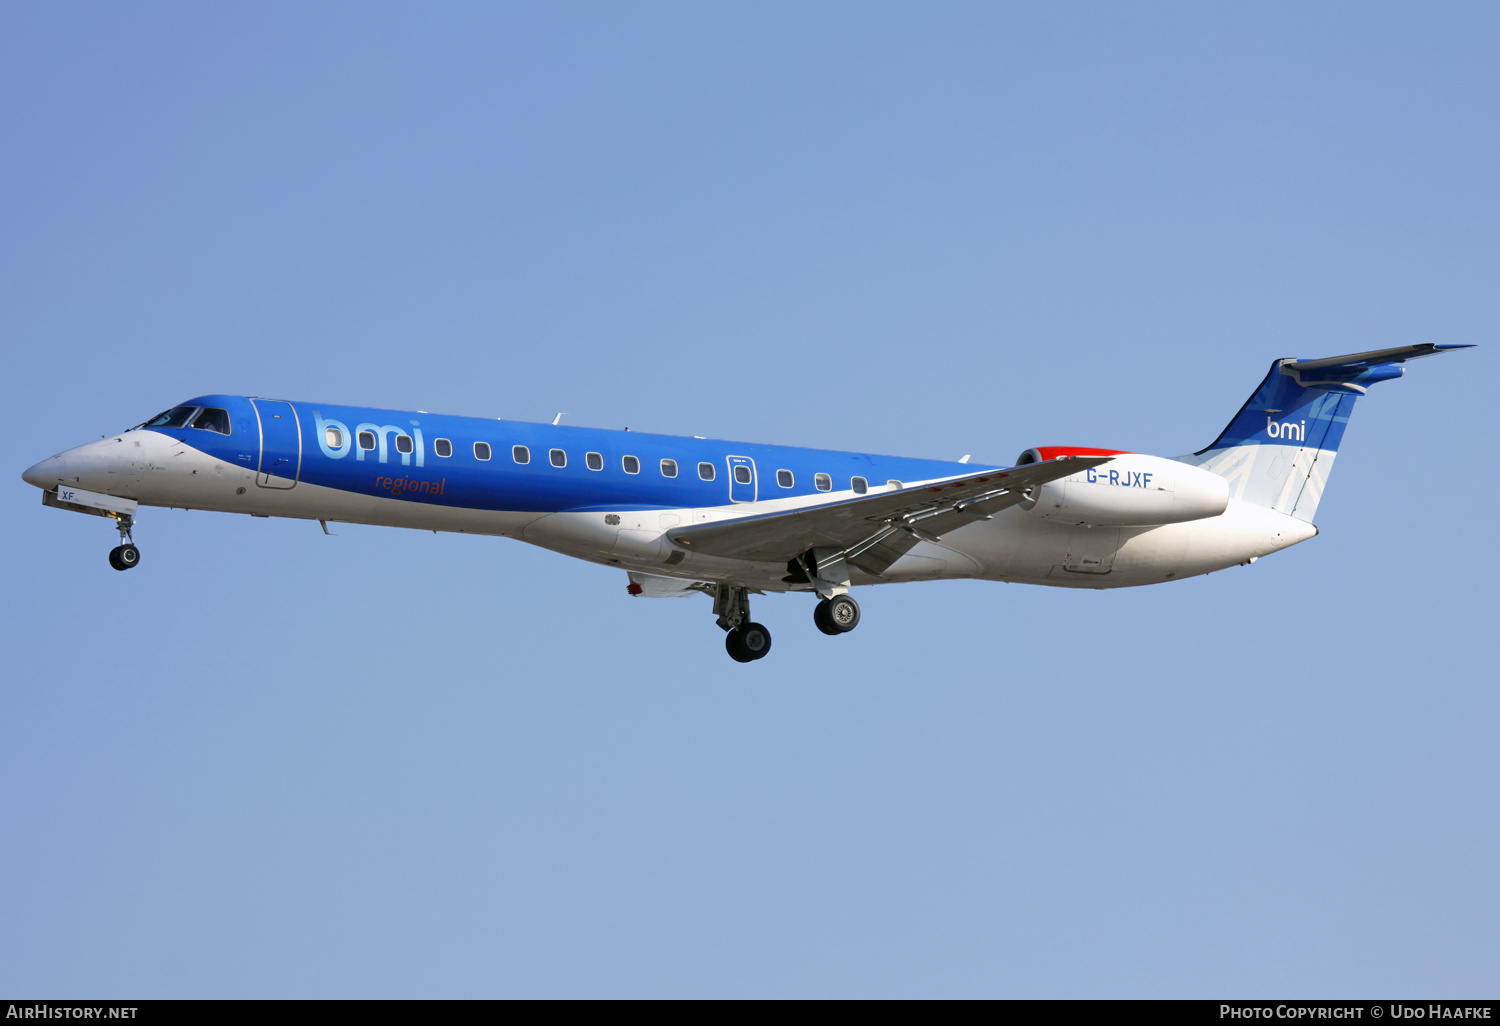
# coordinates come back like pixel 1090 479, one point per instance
pixel 1091 550
pixel 280 444
pixel 742 483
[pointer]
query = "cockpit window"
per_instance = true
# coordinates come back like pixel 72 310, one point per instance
pixel 212 419
pixel 176 417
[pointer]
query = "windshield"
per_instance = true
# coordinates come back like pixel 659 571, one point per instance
pixel 176 417
pixel 213 419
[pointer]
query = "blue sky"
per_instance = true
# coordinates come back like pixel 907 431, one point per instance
pixel 272 763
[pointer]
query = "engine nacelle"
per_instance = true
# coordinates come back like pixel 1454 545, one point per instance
pixel 1130 490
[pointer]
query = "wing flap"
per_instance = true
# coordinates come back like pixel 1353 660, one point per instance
pixel 644 585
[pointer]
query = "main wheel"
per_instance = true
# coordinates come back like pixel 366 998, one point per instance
pixel 125 557
pixel 820 618
pixel 756 640
pixel 114 557
pixel 736 648
pixel 843 613
pixel 747 642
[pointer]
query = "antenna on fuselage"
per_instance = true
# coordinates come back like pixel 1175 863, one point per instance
pixel 965 458
pixel 557 420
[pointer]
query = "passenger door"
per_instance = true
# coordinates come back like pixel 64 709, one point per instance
pixel 742 483
pixel 280 444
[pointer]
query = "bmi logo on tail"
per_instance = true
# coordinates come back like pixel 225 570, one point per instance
pixel 1286 429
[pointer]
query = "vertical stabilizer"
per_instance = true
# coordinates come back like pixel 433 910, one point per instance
pixel 1279 449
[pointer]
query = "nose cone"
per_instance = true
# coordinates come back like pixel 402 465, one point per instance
pixel 103 466
pixel 45 474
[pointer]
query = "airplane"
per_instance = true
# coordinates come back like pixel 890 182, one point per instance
pixel 684 516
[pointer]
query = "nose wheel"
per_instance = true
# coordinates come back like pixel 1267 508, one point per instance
pixel 124 555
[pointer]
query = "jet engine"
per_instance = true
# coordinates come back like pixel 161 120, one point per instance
pixel 1131 490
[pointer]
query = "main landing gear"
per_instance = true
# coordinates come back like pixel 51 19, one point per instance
pixel 838 615
pixel 827 571
pixel 745 640
pixel 124 555
pixel 748 642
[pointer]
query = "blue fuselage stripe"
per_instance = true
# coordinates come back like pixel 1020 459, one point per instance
pixel 331 455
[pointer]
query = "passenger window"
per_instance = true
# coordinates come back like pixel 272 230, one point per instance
pixel 785 479
pixel 822 482
pixel 214 420
pixel 593 461
pixel 442 447
pixel 366 440
pixel 668 468
pixel 558 458
pixel 631 464
pixel 742 473
pixel 481 451
pixel 896 484
pixel 334 437
pixel 706 471
pixel 520 454
pixel 859 484
pixel 403 444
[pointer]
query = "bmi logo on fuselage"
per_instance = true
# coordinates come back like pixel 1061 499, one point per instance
pixel 337 441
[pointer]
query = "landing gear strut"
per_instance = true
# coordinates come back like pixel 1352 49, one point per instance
pixel 124 555
pixel 745 641
pixel 838 615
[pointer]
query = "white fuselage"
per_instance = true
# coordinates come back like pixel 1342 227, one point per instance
pixel 1018 545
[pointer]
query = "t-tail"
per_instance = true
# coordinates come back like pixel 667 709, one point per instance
pixel 1279 449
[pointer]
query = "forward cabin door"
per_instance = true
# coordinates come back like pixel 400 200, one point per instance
pixel 280 444
pixel 742 482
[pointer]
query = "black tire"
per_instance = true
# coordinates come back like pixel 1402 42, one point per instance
pixel 736 647
pixel 843 613
pixel 127 556
pixel 820 617
pixel 114 557
pixel 755 639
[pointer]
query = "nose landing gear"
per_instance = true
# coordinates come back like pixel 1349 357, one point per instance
pixel 124 555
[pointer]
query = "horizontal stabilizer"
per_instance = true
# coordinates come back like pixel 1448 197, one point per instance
pixel 1375 357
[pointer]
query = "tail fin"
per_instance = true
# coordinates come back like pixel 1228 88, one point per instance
pixel 1279 449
